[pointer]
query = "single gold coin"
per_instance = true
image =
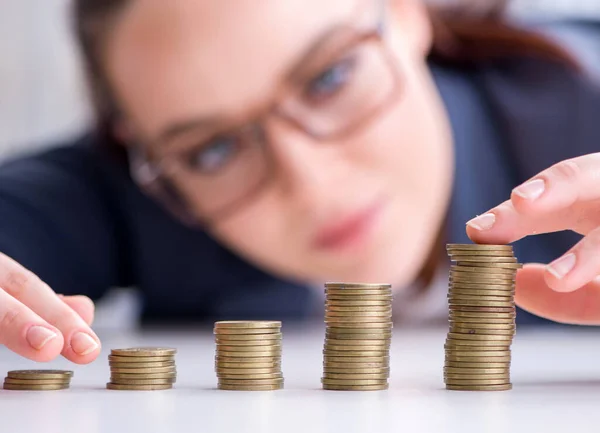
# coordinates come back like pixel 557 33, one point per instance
pixel 480 303
pixel 484 278
pixel 251 381
pixel 484 309
pixel 355 326
pixel 245 371
pixel 450 378
pixel 467 300
pixel 224 387
pixel 482 270
pixel 237 324
pixel 45 387
pixel 10 380
pixel 490 265
pixel 39 374
pixel 462 336
pixel 144 351
pixel 478 382
pixel 375 309
pixel 246 331
pixel 482 259
pixel 250 376
pixel 144 370
pixel 477 365
pixel 459 285
pixel 507 321
pixel 481 348
pixel 505 387
pixel 344 292
pixel 483 314
pixel 382 336
pixel 271 360
pixel 270 348
pixel 356 365
pixel 480 253
pixel 476 371
pixel 136 359
pixel 142 381
pixel 277 336
pixel 358 330
pixel 353 360
pixel 375 286
pixel 364 371
pixel 365 298
pixel 353 320
pixel 353 382
pixel 476 359
pixel 247 365
pixel 486 292
pixel 356 353
pixel 469 330
pixel 248 343
pixel 142 364
pixel 357 303
pixel 370 314
pixel 120 376
pixel 504 326
pixel 486 353
pixel 361 376
pixel 119 387
pixel 479 247
pixel 332 347
pixel 477 343
pixel 261 354
pixel 381 387
pixel 342 342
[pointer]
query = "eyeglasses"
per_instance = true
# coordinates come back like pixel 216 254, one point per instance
pixel 336 94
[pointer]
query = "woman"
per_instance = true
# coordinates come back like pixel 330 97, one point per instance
pixel 284 144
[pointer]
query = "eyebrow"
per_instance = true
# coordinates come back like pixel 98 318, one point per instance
pixel 179 128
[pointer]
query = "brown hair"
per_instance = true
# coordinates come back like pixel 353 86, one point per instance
pixel 469 33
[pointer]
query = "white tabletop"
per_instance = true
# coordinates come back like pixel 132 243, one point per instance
pixel 555 372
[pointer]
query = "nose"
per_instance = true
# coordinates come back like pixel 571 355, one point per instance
pixel 307 171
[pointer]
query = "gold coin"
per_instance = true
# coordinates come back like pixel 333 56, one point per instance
pixel 369 314
pixel 224 387
pixel 355 326
pixel 487 299
pixel 136 359
pixel 356 365
pixel 354 360
pixel 141 364
pixel 344 292
pixel 270 348
pixel 375 309
pixel 490 265
pixel 247 365
pixel 364 286
pixel 482 270
pixel 463 370
pixel 327 371
pixel 352 320
pixel 359 330
pixel 155 370
pixel 262 354
pixel 237 324
pixel 249 337
pixel 353 382
pixel 504 326
pixel 468 352
pixel 362 376
pixel 45 387
pixel 246 331
pixel 250 376
pixel 459 336
pixel 451 378
pixel 383 336
pixel 356 353
pixel 335 341
pixel 251 381
pixel 335 303
pixel 468 320
pixel 483 253
pixel 244 371
pixel 40 374
pixel 118 387
pixel 478 309
pixel 248 343
pixel 342 348
pixel 482 303
pixel 456 280
pixel 454 348
pixel 458 285
pixel 479 382
pixel 120 376
pixel 381 387
pixel 144 351
pixel 477 359
pixel 482 259
pixel 485 278
pixel 364 298
pixel 12 381
pixel 263 360
pixel 142 381
pixel 505 387
pixel 477 365
pixel 492 343
pixel 479 247
pixel 483 315
pixel 459 329
pixel 475 292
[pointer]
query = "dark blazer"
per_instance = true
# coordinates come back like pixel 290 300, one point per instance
pixel 73 216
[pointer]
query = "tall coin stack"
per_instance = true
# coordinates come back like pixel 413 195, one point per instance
pixel 248 355
pixel 37 380
pixel 482 317
pixel 358 320
pixel 142 369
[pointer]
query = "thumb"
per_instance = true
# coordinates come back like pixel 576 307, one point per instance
pixel 581 307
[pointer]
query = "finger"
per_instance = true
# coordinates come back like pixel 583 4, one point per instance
pixel 26 333
pixel 581 307
pixel 578 266
pixel 566 196
pixel 82 305
pixel 81 343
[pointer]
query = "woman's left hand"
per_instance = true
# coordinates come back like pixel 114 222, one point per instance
pixel 563 197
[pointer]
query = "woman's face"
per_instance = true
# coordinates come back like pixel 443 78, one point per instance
pixel 364 206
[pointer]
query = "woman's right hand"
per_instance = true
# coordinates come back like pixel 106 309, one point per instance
pixel 38 324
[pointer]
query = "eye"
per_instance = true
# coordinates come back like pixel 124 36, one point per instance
pixel 331 81
pixel 215 154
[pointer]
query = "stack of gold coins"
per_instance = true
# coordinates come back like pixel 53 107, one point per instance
pixel 142 369
pixel 358 320
pixel 248 356
pixel 482 317
pixel 37 380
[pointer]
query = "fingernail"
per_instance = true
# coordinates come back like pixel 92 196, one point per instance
pixel 38 336
pixel 483 222
pixel 531 190
pixel 562 266
pixel 82 344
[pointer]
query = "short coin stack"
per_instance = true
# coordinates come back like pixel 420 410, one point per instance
pixel 482 317
pixel 142 369
pixel 248 355
pixel 358 321
pixel 38 380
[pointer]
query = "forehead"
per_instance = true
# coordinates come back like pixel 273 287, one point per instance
pixel 207 56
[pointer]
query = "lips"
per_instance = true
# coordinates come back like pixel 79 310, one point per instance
pixel 349 230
